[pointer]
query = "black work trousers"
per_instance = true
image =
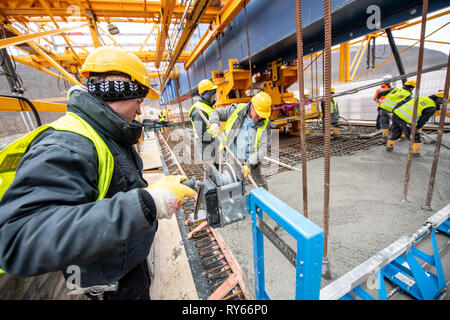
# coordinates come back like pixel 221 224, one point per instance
pixel 398 126
pixel 135 285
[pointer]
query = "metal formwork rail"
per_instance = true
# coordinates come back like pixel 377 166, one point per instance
pixel 398 264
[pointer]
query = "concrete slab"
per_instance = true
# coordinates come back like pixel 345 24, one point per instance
pixel 366 214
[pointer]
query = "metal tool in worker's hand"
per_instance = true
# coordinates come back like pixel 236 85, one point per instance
pixel 223 195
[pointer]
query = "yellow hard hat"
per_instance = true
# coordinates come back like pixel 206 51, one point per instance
pixel 206 85
pixel 332 90
pixel 411 83
pixel 105 59
pixel 440 94
pixel 262 104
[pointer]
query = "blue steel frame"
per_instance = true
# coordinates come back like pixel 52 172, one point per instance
pixel 422 285
pixel 310 241
pixel 426 285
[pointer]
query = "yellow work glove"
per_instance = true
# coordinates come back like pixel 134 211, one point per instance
pixel 245 171
pixel 214 130
pixel 168 194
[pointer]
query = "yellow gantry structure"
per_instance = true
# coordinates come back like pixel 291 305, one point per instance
pixel 44 34
pixel 30 25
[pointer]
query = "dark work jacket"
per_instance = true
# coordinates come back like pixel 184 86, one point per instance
pixel 49 216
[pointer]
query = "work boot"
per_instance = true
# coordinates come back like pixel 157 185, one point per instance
pixel 385 134
pixel 336 130
pixel 390 145
pixel 403 137
pixel 417 147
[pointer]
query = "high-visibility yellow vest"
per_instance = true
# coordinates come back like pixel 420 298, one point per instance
pixel 161 117
pixel 405 111
pixel 232 119
pixel 333 105
pixel 13 153
pixel 203 107
pixel 394 97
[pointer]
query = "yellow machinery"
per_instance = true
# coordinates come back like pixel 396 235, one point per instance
pixel 233 83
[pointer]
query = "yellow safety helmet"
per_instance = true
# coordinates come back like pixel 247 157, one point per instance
pixel 206 85
pixel 411 83
pixel 440 94
pixel 105 59
pixel 332 90
pixel 262 104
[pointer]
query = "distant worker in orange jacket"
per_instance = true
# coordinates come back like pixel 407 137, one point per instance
pixel 383 118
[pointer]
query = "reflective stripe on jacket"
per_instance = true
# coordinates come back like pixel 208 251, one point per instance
pixel 203 107
pixel 394 97
pixel 13 153
pixel 230 124
pixel 405 111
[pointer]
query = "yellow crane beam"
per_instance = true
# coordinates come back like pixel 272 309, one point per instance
pixel 14 104
pixel 25 38
pixel 167 7
pixel 228 12
pixel 199 9
pixel 43 54
pixel 102 9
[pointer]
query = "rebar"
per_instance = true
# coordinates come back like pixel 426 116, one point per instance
pixel 327 133
pixel 301 89
pixel 437 147
pixel 416 100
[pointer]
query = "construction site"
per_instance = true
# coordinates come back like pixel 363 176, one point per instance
pixel 313 136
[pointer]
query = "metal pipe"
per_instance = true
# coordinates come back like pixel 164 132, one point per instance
pixel 437 147
pixel 398 60
pixel 327 133
pixel 248 49
pixel 301 89
pixel 282 164
pixel 416 100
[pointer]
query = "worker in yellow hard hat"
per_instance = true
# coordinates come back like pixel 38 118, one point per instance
pixel 334 112
pixel 204 143
pixel 403 115
pixel 162 120
pixel 78 203
pixel 247 133
pixel 390 98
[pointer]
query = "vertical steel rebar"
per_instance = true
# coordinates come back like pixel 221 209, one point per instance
pixel 248 48
pixel 437 147
pixel 301 89
pixel 327 133
pixel 416 100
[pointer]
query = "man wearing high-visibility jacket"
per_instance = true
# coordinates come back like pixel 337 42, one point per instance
pixel 390 98
pixel 383 118
pixel 334 112
pixel 204 145
pixel 162 120
pixel 73 198
pixel 403 115
pixel 247 133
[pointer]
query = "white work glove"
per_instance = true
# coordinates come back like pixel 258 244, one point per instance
pixel 168 194
pixel 253 159
pixel 214 129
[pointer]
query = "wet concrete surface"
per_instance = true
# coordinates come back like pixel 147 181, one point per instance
pixel 365 211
